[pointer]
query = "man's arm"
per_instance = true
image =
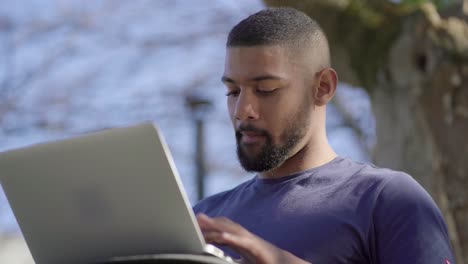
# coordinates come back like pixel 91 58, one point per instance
pixel 252 248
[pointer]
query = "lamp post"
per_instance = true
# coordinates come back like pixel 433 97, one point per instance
pixel 198 107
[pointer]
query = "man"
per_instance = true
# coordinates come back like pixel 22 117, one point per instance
pixel 306 204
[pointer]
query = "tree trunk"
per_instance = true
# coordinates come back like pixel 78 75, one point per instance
pixel 414 63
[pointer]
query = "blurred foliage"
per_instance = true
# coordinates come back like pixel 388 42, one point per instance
pixel 440 4
pixel 365 29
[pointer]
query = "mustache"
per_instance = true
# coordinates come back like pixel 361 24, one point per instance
pixel 250 128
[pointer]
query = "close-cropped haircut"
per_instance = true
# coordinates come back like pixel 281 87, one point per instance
pixel 278 26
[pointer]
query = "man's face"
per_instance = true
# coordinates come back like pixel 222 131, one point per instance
pixel 268 103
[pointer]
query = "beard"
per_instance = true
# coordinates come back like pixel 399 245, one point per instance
pixel 271 155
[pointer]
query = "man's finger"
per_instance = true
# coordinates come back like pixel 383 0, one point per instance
pixel 215 237
pixel 206 223
pixel 219 223
pixel 239 244
pixel 221 230
pixel 223 238
pixel 228 225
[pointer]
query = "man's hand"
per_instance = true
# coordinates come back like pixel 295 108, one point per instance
pixel 252 248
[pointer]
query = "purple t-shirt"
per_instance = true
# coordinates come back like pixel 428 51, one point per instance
pixel 341 212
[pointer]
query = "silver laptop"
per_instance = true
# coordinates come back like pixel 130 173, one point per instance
pixel 102 195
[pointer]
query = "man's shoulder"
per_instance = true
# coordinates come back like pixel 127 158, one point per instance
pixel 393 192
pixel 368 173
pixel 398 193
pixel 406 219
pixel 390 181
pixel 401 188
pixel 381 183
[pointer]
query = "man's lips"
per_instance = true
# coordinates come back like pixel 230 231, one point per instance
pixel 249 137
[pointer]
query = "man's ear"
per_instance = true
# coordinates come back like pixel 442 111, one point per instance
pixel 325 89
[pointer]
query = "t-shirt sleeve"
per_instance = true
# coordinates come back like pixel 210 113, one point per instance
pixel 408 227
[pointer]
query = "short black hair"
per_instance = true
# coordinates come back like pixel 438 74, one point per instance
pixel 275 26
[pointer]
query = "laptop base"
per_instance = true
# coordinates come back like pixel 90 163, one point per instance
pixel 167 259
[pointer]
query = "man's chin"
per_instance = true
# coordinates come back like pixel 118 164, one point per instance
pixel 251 151
pixel 253 166
pixel 249 167
pixel 253 163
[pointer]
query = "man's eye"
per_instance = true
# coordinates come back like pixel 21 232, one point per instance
pixel 266 92
pixel 232 93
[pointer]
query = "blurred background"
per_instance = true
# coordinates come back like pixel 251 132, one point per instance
pixel 69 66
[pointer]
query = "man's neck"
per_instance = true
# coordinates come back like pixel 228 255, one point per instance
pixel 309 157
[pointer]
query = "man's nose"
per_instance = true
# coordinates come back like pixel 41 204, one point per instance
pixel 246 107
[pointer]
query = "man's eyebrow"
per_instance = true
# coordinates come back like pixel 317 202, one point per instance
pixel 266 77
pixel 225 79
